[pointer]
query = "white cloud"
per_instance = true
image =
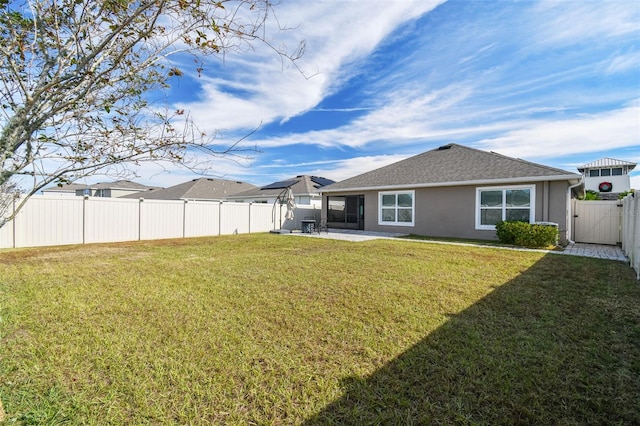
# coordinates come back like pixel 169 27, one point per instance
pixel 576 22
pixel 336 35
pixel 586 133
pixel 623 62
pixel 346 168
pixel 167 174
pixel 523 103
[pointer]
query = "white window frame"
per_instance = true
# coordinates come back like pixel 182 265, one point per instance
pixel 532 202
pixel 303 200
pixel 396 223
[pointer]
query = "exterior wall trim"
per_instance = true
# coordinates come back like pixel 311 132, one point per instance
pixel 511 181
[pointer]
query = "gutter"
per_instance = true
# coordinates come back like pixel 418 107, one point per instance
pixel 571 177
pixel 569 209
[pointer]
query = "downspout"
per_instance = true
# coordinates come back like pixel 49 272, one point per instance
pixel 570 210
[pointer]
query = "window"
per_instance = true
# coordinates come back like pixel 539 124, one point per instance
pixel 594 173
pixel 303 200
pixel 508 203
pixel 605 172
pixel 335 209
pixel 616 171
pixel 396 208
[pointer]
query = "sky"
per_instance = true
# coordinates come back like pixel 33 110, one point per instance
pixel 553 82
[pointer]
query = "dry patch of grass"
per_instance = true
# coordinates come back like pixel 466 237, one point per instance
pixel 267 329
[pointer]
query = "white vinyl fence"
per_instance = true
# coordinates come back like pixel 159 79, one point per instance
pixel 48 221
pixel 631 230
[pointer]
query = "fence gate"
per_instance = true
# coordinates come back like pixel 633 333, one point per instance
pixel 597 222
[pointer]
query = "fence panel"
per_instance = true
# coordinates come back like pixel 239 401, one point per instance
pixel 47 221
pixel 596 222
pixel 161 219
pixel 111 219
pixel 631 230
pixel 202 218
pixel 300 213
pixel 262 217
pixel 236 218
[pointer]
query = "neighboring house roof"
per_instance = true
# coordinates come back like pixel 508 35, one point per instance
pixel 120 184
pixel 70 188
pixel 196 189
pixel 451 165
pixel 607 162
pixel 300 185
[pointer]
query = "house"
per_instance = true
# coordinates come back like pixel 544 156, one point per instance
pixel 196 189
pixel 104 189
pixel 306 191
pixel 68 190
pixel 607 175
pixel 452 191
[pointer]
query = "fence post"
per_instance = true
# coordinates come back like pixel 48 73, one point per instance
pixel 140 219
pixel 250 217
pixel 13 222
pixel 84 218
pixel 220 218
pixel 184 219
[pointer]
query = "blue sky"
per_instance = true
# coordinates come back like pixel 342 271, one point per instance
pixel 557 83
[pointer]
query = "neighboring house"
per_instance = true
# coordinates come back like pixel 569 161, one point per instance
pixel 64 190
pixel 197 189
pixel 104 189
pixel 607 175
pixel 452 191
pixel 306 191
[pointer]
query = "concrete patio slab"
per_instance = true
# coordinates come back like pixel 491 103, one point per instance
pixel 598 251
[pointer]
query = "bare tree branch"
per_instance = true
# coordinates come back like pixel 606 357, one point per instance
pixel 75 76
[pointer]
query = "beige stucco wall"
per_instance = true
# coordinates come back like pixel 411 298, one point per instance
pixel 451 211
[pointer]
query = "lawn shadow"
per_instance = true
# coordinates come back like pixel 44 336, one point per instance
pixel 556 345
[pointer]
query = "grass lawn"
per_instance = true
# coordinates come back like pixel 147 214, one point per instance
pixel 272 329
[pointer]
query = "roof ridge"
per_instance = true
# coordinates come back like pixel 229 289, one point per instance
pixel 506 157
pixel 452 163
pixel 614 160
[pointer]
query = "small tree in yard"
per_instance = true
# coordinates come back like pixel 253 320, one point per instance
pixel 75 75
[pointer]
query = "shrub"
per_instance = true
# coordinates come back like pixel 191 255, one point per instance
pixel 526 234
pixel 590 195
pixel 625 193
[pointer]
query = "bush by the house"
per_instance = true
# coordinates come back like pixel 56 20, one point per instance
pixel 590 195
pixel 526 234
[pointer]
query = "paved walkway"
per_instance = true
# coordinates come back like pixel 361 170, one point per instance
pixel 575 249
pixel 596 250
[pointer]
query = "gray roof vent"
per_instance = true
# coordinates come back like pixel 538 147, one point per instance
pixel 443 147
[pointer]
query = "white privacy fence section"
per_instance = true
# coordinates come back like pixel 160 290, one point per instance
pixel 597 222
pixel 631 230
pixel 110 220
pixel 47 220
pixel 302 213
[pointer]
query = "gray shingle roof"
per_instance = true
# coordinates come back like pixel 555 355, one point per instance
pixel 196 189
pixel 71 188
pixel 451 164
pixel 120 184
pixel 300 185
